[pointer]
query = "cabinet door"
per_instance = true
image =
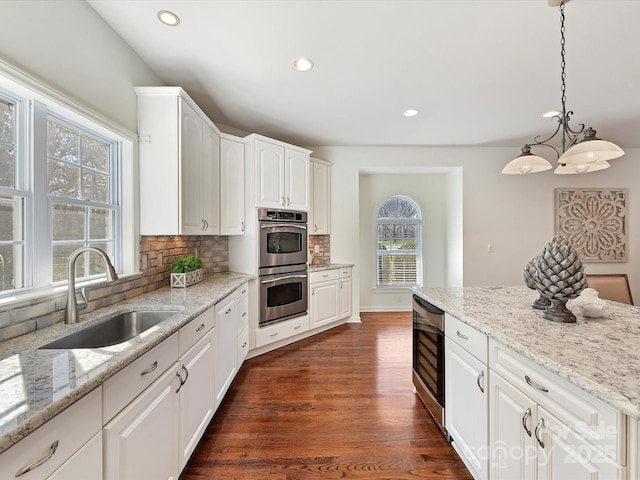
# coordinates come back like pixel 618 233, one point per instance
pixel 211 182
pixel 512 423
pixel 86 464
pixel 231 187
pixel 296 180
pixel 564 455
pixel 197 394
pixel 466 406
pixel 345 297
pixel 319 220
pixel 324 303
pixel 192 160
pixel 142 440
pixel 269 175
pixel 226 344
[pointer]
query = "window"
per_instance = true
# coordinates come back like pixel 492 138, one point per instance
pixel 399 245
pixel 61 188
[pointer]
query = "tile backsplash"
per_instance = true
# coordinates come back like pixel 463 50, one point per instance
pixel 156 255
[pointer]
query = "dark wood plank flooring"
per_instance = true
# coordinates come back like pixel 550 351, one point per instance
pixel 337 405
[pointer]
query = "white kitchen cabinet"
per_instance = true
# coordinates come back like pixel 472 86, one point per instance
pixel 282 175
pixel 281 330
pixel 226 345
pixel 142 441
pixel 242 325
pixel 179 165
pixel 345 292
pixel 197 399
pixel 544 428
pixel 231 187
pixel 466 398
pixel 320 208
pixel 324 297
pixel 56 448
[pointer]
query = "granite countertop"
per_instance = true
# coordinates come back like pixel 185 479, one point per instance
pixel 330 266
pixel 598 355
pixel 36 385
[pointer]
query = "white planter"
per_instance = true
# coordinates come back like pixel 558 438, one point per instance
pixel 183 280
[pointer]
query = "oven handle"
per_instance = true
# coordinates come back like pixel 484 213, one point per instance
pixel 282 278
pixel 292 225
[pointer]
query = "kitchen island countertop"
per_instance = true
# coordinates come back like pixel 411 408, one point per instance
pixel 598 355
pixel 36 385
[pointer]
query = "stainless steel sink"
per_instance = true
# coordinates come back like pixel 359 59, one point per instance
pixel 115 330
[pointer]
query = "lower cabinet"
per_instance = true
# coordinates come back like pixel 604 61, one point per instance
pixel 67 447
pixel 324 297
pixel 226 345
pixel 346 290
pixel 466 396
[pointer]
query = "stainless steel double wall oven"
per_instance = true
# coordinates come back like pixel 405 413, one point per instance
pixel 283 265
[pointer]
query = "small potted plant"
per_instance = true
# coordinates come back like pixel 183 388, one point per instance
pixel 186 271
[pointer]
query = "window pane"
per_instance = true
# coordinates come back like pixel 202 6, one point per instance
pixel 397 270
pixel 95 154
pixel 7 122
pixel 61 253
pixel 397 237
pixel 95 187
pixel 398 207
pixel 10 267
pixel 62 143
pixel 7 143
pixel 68 222
pixel 101 224
pixel 63 179
pixel 7 167
pixel 96 265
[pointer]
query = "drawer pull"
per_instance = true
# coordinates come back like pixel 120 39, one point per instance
pixel 227 312
pixel 480 377
pixel 181 382
pixel 325 276
pixel 244 345
pixel 525 417
pixel 537 431
pixel 200 328
pixel 37 463
pixel 150 369
pixel 530 382
pixel 297 327
pixel 274 334
pixel 244 314
pixel 244 291
pixel 186 371
pixel 462 335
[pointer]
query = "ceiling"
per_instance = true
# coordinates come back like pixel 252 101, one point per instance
pixel 481 72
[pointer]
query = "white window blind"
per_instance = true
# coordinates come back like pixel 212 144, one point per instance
pixel 398 243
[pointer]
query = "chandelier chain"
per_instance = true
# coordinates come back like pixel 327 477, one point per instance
pixel 562 62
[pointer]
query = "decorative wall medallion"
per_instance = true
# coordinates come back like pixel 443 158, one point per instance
pixel 594 221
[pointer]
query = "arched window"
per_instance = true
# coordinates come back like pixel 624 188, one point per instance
pixel 398 243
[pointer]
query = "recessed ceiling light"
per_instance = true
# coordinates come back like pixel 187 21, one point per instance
pixel 551 114
pixel 168 18
pixel 302 64
pixel 411 112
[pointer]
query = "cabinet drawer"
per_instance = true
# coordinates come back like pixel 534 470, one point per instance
pixel 282 330
pixel 129 382
pixel 324 275
pixel 243 313
pixel 467 337
pixel 72 428
pixel 345 272
pixel 599 423
pixel 197 328
pixel 242 291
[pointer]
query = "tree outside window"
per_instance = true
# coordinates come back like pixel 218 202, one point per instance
pixel 398 243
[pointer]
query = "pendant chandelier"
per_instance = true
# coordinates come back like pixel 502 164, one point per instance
pixel 581 151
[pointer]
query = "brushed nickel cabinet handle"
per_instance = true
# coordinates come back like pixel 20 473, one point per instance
pixel 37 463
pixel 462 335
pixel 200 328
pixel 530 382
pixel 242 227
pixel 150 369
pixel 186 371
pixel 181 382
pixel 480 377
pixel 537 431
pixel 525 417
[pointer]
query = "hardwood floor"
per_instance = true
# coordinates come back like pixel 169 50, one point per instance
pixel 337 405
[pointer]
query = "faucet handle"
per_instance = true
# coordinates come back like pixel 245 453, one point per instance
pixel 82 303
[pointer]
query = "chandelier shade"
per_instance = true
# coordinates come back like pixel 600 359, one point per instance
pixel 580 151
pixel 525 163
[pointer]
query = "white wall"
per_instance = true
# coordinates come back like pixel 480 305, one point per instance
pixel 429 191
pixel 67 46
pixel 514 213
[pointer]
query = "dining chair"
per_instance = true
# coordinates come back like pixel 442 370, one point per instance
pixel 611 286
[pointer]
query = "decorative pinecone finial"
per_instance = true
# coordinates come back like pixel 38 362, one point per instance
pixel 530 274
pixel 560 273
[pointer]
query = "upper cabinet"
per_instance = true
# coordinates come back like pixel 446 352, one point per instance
pixel 319 214
pixel 180 168
pixel 282 175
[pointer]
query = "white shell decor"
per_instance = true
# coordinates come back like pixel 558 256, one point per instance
pixel 588 304
pixel 560 276
pixel 184 280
